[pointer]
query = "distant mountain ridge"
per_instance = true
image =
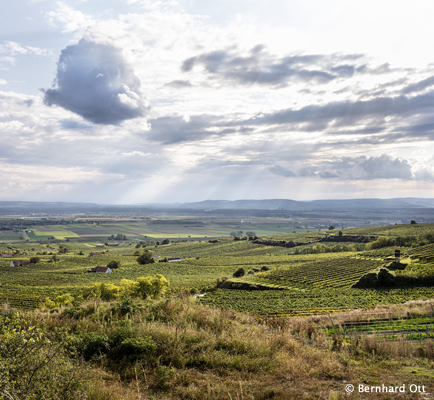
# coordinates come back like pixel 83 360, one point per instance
pixel 286 204
pixel 269 204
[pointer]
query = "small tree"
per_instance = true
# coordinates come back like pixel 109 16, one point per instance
pixel 166 241
pixel 113 264
pixel 34 260
pixel 145 258
pixel 331 227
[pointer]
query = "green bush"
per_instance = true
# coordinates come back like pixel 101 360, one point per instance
pixel 34 365
pixel 137 348
pixel 239 273
pixel 145 258
pixel 114 264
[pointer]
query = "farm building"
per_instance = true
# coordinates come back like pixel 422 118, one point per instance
pixel 105 270
pixel 7 255
pixel 176 259
pixel 92 255
pixel 155 255
pixel 111 245
pixel 18 263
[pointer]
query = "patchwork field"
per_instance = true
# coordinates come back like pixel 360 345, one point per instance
pixel 314 277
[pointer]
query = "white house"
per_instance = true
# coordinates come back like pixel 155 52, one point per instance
pixel 105 270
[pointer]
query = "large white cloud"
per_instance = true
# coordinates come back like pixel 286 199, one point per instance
pixel 94 81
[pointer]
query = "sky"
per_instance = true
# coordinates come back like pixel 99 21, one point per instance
pixel 141 101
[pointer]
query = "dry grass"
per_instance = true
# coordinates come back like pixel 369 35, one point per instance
pixel 208 353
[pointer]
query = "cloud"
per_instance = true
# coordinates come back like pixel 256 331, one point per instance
pixel 177 129
pixel 386 167
pixel 279 170
pixel 179 84
pixel 259 67
pixel 383 166
pixel 348 113
pixel 424 174
pixel 3 82
pixel 93 80
pixel 72 124
pixel 418 86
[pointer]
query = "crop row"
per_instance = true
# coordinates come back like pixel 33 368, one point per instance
pixel 268 301
pixel 338 272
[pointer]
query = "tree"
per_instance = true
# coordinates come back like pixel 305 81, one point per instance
pixel 34 260
pixel 239 273
pixel 145 258
pixel 340 233
pixel 166 241
pixel 113 264
pixel 250 233
pixel 233 234
pixel 151 287
pixel 331 227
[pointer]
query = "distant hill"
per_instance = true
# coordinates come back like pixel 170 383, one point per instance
pixel 348 204
pixel 28 207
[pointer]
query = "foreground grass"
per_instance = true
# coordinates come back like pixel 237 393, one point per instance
pixel 177 349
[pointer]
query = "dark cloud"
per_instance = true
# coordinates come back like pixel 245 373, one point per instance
pixel 258 67
pixel 94 80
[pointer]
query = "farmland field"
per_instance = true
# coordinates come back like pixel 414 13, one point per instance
pixel 314 277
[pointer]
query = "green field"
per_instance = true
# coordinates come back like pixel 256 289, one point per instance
pixel 311 279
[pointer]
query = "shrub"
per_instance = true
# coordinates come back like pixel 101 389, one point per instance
pixel 34 260
pixel 239 272
pixel 114 264
pixel 33 365
pixel 125 307
pixel 94 345
pixel 166 241
pixel 145 258
pixel 136 348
